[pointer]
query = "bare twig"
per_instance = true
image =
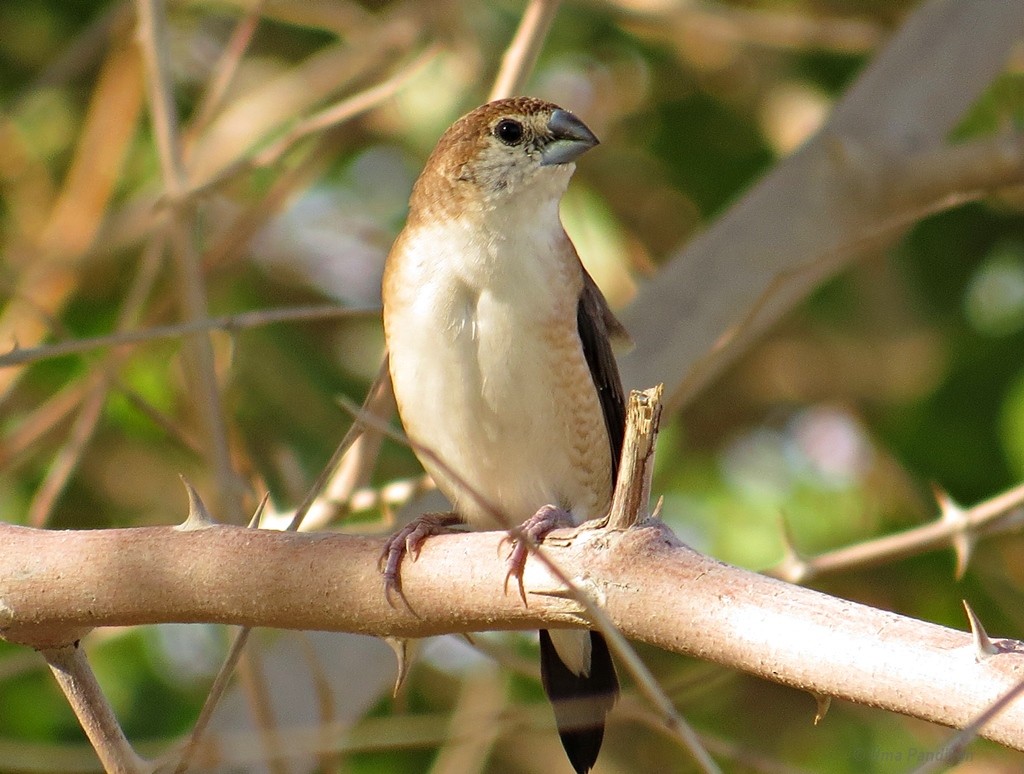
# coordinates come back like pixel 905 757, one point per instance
pixel 153 40
pixel 81 53
pixel 225 69
pixel 346 109
pixel 71 669
pixel 850 177
pixel 220 682
pixel 351 437
pixel 254 684
pixel 233 242
pixel 97 388
pixel 47 281
pixel 171 428
pixel 229 323
pixel 1001 513
pixel 217 689
pixel 356 467
pixel 53 411
pixel 152 35
pixel 521 55
pixel 67 459
pixel 251 118
pixel 953 751
pixel 678 23
pixel 921 185
pixel 481 695
pixel 328 712
pixel 235 750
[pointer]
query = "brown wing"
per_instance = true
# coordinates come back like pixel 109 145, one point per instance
pixel 597 324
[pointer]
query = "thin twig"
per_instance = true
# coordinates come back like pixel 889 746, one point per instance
pixel 252 677
pixel 1001 512
pixel 41 421
pixel 168 424
pixel 234 750
pixel 678 23
pixel 353 435
pixel 76 213
pixel 153 35
pixel 76 679
pixel 345 110
pixel 327 711
pixel 648 685
pixel 234 240
pixel 521 55
pixel 217 689
pixel 756 318
pixel 220 682
pixel 153 40
pixel 953 751
pixel 229 323
pixel 226 68
pixel 154 44
pixel 97 390
pixel 70 454
pixel 355 469
pixel 78 55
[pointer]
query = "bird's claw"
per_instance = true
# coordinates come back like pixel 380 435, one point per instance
pixel 409 540
pixel 547 519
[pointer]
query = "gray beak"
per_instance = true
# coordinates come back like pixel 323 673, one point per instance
pixel 570 139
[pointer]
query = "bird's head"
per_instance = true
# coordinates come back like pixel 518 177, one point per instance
pixel 501 150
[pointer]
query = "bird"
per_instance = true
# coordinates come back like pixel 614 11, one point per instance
pixel 500 354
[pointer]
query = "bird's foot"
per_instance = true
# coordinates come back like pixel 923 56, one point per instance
pixel 547 519
pixel 409 540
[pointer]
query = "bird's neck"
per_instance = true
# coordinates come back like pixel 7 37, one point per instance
pixel 520 250
pixel 495 204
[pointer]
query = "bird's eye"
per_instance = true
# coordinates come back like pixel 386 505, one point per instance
pixel 509 131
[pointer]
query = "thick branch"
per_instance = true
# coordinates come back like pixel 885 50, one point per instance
pixel 876 167
pixel 654 589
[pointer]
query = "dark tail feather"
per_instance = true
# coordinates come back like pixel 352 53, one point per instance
pixel 580 703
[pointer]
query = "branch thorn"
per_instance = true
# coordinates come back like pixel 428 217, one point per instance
pixel 402 648
pixel 957 517
pixel 793 567
pixel 658 506
pixel 983 645
pixel 823 702
pixel 257 516
pixel 198 517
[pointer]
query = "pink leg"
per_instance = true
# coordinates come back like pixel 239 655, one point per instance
pixel 547 519
pixel 408 540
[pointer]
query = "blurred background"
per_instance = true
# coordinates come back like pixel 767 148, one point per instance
pixel 907 371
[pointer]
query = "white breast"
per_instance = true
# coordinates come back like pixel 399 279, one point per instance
pixel 489 372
